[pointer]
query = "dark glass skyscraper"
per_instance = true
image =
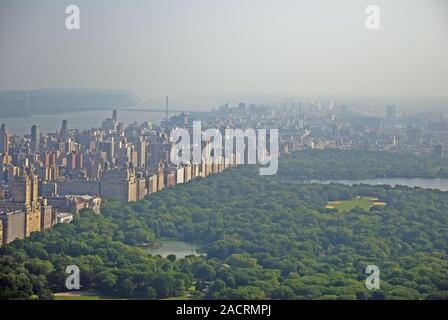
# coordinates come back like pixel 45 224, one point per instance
pixel 4 140
pixel 35 137
pixel 64 129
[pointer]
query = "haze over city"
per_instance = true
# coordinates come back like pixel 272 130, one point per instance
pixel 214 50
pixel 271 151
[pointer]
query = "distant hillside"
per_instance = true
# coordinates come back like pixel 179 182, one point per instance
pixel 45 101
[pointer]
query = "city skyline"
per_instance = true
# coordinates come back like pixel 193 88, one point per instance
pixel 248 48
pixel 232 150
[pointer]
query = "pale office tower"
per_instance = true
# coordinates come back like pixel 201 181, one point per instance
pixel 134 156
pixel 141 149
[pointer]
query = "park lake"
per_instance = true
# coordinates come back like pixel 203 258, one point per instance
pixel 180 249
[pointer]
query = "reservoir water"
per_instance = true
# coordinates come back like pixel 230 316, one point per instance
pixel 426 183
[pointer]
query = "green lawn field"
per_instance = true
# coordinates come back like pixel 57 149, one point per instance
pixel 78 298
pixel 361 202
pixel 81 295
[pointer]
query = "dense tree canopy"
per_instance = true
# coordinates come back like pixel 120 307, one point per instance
pixel 359 164
pixel 264 238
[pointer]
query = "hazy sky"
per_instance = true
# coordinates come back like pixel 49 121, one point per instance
pixel 208 48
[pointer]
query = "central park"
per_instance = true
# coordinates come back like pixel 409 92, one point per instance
pixel 259 237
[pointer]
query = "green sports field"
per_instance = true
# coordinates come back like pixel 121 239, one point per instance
pixel 361 202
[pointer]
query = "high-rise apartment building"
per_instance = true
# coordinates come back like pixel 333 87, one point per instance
pixel 21 189
pixel 25 197
pixel 141 152
pixel 122 185
pixel 13 224
pixel 46 215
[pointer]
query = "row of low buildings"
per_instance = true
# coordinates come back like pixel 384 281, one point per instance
pixel 168 176
pixel 26 212
pixel 77 169
pixel 128 184
pixel 113 162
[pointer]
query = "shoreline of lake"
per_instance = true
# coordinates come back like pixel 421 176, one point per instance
pixel 425 183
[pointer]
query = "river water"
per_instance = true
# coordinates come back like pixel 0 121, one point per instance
pixel 76 120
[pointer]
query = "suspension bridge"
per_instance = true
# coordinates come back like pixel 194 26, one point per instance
pixel 140 107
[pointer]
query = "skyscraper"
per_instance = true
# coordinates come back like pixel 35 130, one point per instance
pixel 391 113
pixel 141 150
pixel 414 135
pixel 4 140
pixel 64 130
pixel 35 138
